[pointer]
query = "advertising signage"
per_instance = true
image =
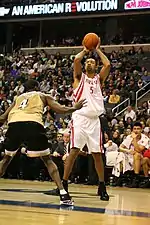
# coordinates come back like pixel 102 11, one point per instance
pixel 73 8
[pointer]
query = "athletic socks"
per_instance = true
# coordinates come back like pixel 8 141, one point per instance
pixel 65 185
pixel 63 192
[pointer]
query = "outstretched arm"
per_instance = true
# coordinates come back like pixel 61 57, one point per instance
pixel 4 116
pixel 106 64
pixel 77 64
pixel 58 108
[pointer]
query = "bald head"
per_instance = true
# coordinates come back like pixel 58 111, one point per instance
pixel 129 108
pixel 66 137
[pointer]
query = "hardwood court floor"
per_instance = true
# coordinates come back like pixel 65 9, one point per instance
pixel 23 203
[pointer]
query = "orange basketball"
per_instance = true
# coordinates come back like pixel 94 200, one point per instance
pixel 90 41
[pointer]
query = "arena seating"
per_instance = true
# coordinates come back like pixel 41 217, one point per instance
pixel 52 67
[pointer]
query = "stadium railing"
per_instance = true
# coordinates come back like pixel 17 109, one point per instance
pixel 69 50
pixel 141 93
pixel 120 108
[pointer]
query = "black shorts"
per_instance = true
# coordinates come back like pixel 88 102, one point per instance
pixel 31 134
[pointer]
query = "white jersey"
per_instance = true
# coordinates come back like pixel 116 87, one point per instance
pixel 144 141
pixel 89 89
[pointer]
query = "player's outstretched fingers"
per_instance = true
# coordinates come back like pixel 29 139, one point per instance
pixel 80 104
pixel 84 102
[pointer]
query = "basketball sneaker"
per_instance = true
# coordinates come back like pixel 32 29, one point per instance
pixel 54 192
pixel 102 192
pixel 66 200
pixel 145 183
pixel 135 182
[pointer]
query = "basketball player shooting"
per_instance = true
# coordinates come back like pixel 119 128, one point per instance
pixel 86 127
pixel 25 126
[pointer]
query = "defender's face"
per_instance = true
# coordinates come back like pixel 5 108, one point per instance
pixel 90 65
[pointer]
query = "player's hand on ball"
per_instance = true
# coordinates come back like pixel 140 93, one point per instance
pixel 85 48
pixel 80 104
pixel 98 45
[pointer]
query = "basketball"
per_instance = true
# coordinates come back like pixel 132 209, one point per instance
pixel 90 41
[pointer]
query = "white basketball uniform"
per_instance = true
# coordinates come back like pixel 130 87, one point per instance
pixel 86 127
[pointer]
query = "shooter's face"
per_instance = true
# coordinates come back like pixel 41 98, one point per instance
pixel 90 66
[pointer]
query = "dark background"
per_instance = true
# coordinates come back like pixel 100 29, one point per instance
pixel 26 2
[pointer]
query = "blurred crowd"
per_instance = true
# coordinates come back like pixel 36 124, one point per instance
pixel 54 72
pixel 118 39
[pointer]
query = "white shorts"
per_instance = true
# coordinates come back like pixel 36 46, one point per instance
pixel 86 131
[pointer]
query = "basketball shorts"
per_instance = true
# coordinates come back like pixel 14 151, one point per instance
pixel 31 134
pixel 86 131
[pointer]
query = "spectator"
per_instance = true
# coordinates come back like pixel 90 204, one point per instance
pixel 45 87
pixel 130 154
pixel 146 131
pixel 48 121
pixel 63 147
pixel 114 98
pixel 121 126
pixel 140 83
pixel 129 123
pixel 59 139
pixel 116 137
pixel 130 113
pixel 19 88
pixel 63 128
pixel 146 77
pixel 105 96
pixel 111 153
pixel 53 92
pixel 66 139
pixel 61 152
pixel 125 134
pixel 142 111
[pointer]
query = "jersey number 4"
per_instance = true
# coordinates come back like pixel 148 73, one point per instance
pixel 23 104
